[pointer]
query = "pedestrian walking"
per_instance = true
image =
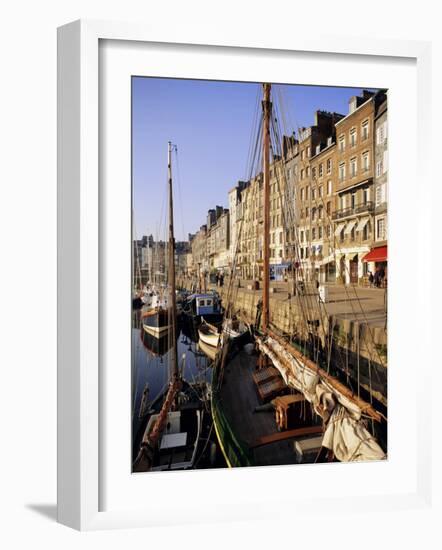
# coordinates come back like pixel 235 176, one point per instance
pixel 377 281
pixel 370 279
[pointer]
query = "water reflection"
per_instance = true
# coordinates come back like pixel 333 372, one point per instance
pixel 150 370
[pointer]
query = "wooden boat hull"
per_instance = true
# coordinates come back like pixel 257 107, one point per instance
pixel 247 437
pixel 179 442
pixel 156 322
pixel 209 338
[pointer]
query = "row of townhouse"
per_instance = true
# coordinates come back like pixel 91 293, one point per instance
pixel 150 259
pixel 328 204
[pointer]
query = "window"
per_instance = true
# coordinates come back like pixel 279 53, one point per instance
pixel 329 166
pixel 307 171
pixel 201 303
pixel 208 302
pixel 320 191
pixel 307 235
pixel 320 212
pixel 353 167
pixel 329 187
pixel 366 161
pixel 301 236
pixel 321 170
pixel 352 234
pixel 353 200
pixel 328 230
pixel 313 214
pixel 302 194
pixel 381 133
pixel 302 173
pixel 365 195
pixel 365 130
pixel 380 195
pixel 307 212
pixel 314 172
pixel 308 151
pixel 378 168
pixel 341 144
pixel 366 231
pixel 320 232
pixel 314 233
pixel 353 137
pixel 302 154
pixel 328 207
pixel 313 194
pixel 280 238
pixel 302 253
pixel 381 229
pixel 342 171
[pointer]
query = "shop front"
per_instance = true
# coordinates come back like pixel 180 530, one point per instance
pixel 280 272
pixel 377 263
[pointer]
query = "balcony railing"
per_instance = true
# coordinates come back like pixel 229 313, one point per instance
pixel 350 211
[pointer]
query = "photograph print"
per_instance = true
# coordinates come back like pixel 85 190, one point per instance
pixel 259 274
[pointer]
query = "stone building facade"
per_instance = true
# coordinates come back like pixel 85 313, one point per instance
pixel 312 141
pixel 381 174
pixel 328 203
pixel 354 199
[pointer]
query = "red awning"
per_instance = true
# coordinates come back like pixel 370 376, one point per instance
pixel 378 254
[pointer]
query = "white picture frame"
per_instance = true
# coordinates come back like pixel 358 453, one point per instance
pixel 79 273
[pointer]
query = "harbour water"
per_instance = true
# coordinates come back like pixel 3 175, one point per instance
pixel 150 376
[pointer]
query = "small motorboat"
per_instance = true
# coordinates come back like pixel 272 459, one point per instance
pixel 235 329
pixel 209 334
pixel 207 305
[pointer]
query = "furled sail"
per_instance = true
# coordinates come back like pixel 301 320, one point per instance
pixel 345 433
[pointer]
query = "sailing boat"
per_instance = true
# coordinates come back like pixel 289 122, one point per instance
pixel 171 437
pixel 278 406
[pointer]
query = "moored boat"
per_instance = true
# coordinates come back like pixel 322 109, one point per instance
pixel 209 334
pixel 171 437
pixel 203 305
pixel 156 321
pixel 272 404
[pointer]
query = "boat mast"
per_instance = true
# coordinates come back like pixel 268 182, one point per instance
pixel 267 107
pixel 172 310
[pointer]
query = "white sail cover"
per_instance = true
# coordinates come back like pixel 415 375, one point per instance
pixel 345 433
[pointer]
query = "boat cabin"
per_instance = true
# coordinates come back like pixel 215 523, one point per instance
pixel 203 305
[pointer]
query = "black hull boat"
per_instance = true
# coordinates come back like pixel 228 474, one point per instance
pixel 156 321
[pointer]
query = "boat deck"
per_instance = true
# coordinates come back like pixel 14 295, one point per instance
pixel 250 426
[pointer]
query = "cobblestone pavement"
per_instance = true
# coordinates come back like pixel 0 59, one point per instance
pixel 345 302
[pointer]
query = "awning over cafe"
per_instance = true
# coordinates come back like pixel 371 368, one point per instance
pixel 349 227
pixel 362 223
pixel 339 228
pixel 378 254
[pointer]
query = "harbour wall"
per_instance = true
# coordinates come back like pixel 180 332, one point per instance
pixel 359 347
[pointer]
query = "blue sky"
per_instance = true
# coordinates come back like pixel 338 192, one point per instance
pixel 211 124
